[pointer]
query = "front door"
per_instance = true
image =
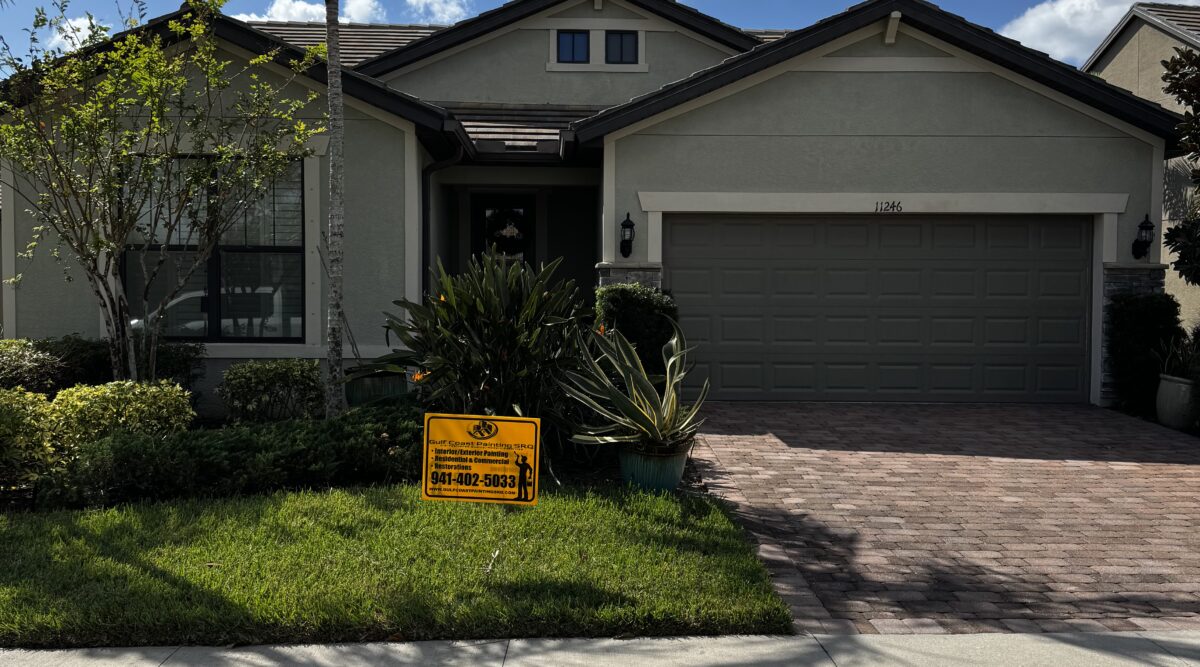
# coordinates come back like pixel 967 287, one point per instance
pixel 506 222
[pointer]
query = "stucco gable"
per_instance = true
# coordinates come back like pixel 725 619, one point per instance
pixel 904 47
pixel 489 24
pixel 952 33
pixel 586 9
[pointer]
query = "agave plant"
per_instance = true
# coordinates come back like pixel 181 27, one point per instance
pixel 616 387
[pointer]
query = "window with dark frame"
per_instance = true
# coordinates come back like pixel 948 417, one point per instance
pixel 621 47
pixel 257 271
pixel 574 46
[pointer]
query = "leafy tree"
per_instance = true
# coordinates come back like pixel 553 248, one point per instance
pixel 335 391
pixel 126 151
pixel 1182 79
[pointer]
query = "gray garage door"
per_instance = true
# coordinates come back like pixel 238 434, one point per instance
pixel 892 309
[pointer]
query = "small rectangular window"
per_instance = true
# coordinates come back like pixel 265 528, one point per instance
pixel 573 46
pixel 621 47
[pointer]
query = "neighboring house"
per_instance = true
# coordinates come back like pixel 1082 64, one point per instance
pixel 1132 57
pixel 890 204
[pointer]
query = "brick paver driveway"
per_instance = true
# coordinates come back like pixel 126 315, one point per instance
pixel 939 518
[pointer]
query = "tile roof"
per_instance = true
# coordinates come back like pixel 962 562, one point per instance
pixel 518 127
pixel 360 41
pixel 1182 16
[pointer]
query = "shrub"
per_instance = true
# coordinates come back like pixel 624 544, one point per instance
pixel 24 441
pixel 23 365
pixel 87 361
pixel 83 414
pixel 1140 326
pixel 495 339
pixel 368 445
pixel 644 315
pixel 262 391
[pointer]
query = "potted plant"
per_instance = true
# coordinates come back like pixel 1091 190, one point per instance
pixel 1176 402
pixel 645 415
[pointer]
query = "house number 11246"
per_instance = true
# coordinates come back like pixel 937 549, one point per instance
pixel 889 207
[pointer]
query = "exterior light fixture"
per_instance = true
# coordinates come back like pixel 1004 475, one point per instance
pixel 1145 236
pixel 627 234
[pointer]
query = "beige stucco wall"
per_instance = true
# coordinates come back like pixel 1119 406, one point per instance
pixel 512 68
pixel 884 132
pixel 1133 61
pixel 376 212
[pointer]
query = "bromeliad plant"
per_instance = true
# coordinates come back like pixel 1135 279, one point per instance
pixel 495 339
pixel 616 387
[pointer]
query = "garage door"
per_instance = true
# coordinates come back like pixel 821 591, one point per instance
pixel 891 309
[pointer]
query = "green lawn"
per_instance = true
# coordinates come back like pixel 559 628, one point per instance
pixel 379 564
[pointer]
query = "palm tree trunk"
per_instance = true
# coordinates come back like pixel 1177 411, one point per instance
pixel 335 390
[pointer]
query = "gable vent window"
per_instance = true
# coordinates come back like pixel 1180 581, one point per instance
pixel 573 46
pixel 621 47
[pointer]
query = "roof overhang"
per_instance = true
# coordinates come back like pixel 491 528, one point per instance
pixel 921 15
pixel 1137 11
pixel 509 13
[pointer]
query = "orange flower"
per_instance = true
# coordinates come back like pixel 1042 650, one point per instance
pixel 442 297
pixel 419 376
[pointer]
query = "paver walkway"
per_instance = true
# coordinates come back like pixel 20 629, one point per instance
pixel 937 518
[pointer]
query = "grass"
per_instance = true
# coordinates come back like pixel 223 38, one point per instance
pixel 379 564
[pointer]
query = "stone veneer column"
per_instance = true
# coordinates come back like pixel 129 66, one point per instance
pixel 1126 279
pixel 612 273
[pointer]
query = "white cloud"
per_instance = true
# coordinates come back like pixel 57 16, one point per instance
pixel 72 33
pixel 358 11
pixel 1069 30
pixel 439 11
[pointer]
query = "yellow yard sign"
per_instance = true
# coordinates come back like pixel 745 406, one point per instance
pixel 477 459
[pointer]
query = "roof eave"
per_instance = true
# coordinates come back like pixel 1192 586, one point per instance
pixel 1035 66
pixel 510 13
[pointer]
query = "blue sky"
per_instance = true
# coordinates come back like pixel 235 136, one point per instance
pixel 1067 29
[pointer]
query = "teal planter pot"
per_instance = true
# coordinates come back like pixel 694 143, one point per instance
pixel 653 473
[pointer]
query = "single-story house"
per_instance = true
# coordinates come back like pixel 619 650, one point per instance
pixel 891 204
pixel 1132 56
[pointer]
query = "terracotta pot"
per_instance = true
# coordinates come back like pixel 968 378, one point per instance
pixel 1176 402
pixel 652 472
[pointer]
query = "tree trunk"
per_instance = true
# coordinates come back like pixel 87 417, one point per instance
pixel 335 390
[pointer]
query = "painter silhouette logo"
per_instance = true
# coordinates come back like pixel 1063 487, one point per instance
pixel 484 430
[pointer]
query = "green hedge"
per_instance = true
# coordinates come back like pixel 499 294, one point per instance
pixel 640 313
pixel 274 390
pixel 1140 326
pixel 365 446
pixel 82 414
pixel 49 365
pixel 25 451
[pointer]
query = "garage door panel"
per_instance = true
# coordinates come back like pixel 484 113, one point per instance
pixel 886 309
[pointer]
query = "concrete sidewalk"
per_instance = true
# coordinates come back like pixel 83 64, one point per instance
pixel 1059 650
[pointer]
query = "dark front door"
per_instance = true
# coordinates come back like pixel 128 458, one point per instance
pixel 507 222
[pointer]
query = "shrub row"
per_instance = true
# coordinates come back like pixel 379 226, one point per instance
pixel 365 446
pixel 49 365
pixel 36 433
pixel 274 390
pixel 643 315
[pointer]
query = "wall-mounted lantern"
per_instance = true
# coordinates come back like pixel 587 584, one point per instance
pixel 1145 236
pixel 627 234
